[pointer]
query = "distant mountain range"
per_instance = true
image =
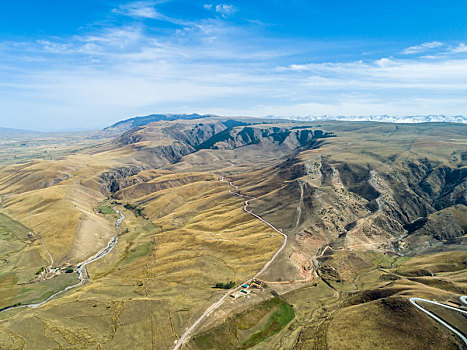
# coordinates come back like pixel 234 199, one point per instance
pixel 140 121
pixel 15 131
pixel 130 123
pixel 382 118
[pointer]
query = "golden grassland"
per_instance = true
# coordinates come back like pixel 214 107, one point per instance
pixel 57 211
pixel 387 324
pixel 22 258
pixel 56 200
pixel 455 319
pixel 163 268
pixel 184 232
pixel 375 313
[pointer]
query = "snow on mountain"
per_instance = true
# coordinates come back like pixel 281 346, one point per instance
pixel 381 118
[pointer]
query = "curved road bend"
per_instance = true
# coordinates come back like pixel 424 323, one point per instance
pixel 432 315
pixel 214 306
pixel 81 270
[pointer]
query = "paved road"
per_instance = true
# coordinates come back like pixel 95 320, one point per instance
pixel 214 306
pixel 432 315
pixel 81 270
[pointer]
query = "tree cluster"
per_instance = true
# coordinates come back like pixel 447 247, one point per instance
pixel 227 285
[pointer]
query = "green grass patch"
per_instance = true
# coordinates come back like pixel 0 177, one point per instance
pixel 135 209
pixel 248 328
pixel 12 293
pixel 11 229
pixel 384 260
pixel 279 319
pixel 37 292
pixel 105 209
pixel 401 260
pixel 20 258
pixel 137 252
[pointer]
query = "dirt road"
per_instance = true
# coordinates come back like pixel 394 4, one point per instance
pixel 214 306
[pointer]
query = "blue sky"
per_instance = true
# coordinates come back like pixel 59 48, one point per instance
pixel 88 63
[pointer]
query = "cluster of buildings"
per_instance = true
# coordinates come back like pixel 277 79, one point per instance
pixel 246 289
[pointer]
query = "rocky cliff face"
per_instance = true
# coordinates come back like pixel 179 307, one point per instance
pixel 354 204
pixel 158 144
pixel 190 134
pixel 196 135
pixel 166 142
pixel 111 180
pixel 243 136
pixel 336 198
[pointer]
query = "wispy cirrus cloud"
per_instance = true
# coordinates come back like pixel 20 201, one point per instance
pixel 417 75
pixel 142 9
pixel 422 47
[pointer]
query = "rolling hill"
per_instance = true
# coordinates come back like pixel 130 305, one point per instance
pixel 374 214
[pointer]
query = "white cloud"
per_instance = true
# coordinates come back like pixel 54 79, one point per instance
pixel 166 78
pixel 422 47
pixel 119 37
pixel 143 9
pixel 212 65
pixel 459 48
pixel 225 9
pixel 222 9
pixel 387 73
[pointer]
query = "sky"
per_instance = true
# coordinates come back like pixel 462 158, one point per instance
pixel 85 64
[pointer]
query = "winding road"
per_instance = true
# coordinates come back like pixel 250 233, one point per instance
pixel 81 270
pixel 432 315
pixel 214 306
